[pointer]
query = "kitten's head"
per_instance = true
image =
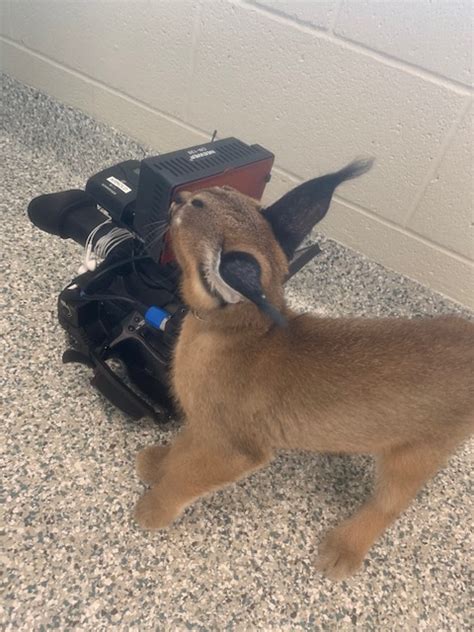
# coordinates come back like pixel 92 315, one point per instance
pixel 234 252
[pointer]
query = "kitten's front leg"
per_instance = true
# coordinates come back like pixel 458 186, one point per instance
pixel 193 466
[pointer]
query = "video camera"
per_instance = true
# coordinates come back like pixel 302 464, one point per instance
pixel 122 315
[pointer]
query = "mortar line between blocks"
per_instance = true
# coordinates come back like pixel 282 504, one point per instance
pixel 357 47
pixel 196 33
pixel 287 174
pixel 274 11
pixel 294 177
pixel 431 173
pixel 335 17
pixel 382 220
pixel 404 231
pixel 84 77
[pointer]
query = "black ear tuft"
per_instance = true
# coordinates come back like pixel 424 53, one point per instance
pixel 293 216
pixel 242 272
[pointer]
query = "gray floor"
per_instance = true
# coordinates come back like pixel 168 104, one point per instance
pixel 240 560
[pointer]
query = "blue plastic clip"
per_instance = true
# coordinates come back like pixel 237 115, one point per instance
pixel 157 317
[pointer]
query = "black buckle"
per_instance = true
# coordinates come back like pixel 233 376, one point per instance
pixel 302 257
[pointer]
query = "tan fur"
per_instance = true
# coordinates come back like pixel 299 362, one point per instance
pixel 399 389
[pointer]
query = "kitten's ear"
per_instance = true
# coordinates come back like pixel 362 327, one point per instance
pixel 242 272
pixel 294 215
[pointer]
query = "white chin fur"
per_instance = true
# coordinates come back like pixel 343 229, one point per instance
pixel 216 282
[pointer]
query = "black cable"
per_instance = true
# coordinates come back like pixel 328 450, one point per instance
pixel 103 271
pixel 153 284
pixel 111 297
pixel 140 274
pixel 134 255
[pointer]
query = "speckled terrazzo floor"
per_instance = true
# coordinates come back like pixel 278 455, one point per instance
pixel 240 560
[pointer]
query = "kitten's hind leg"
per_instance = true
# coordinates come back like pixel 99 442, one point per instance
pixel 149 463
pixel 192 467
pixel 401 473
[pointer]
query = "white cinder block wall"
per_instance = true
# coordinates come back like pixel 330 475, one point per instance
pixel 316 82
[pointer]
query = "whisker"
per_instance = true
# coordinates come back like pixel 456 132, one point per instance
pixel 158 228
pixel 157 233
pixel 156 222
pixel 152 238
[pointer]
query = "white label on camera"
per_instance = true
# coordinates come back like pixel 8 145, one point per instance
pixel 194 154
pixel 119 184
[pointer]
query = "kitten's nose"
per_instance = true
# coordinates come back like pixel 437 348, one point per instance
pixel 179 201
pixel 182 197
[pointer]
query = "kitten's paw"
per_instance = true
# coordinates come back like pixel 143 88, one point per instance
pixel 151 514
pixel 338 558
pixel 148 463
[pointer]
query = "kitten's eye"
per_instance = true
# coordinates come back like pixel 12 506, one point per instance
pixel 178 198
pixel 197 203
